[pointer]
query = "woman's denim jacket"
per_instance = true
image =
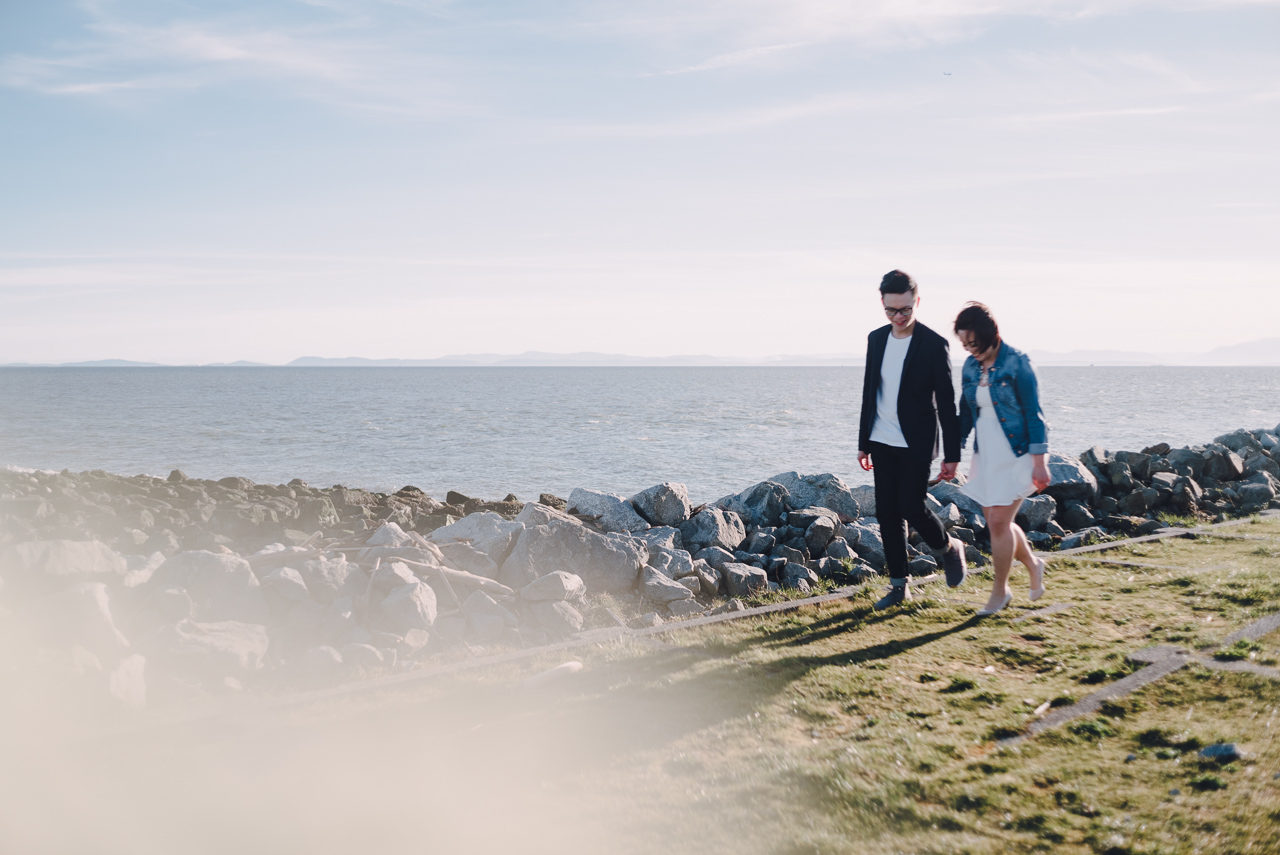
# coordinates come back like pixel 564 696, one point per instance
pixel 1015 392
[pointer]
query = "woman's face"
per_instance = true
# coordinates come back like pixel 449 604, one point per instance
pixel 970 343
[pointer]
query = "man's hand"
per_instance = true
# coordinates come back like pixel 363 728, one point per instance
pixel 949 471
pixel 864 460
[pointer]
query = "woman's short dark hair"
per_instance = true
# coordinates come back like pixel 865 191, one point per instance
pixel 898 282
pixel 977 319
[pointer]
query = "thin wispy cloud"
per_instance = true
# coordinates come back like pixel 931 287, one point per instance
pixel 344 59
pixel 739 57
pixel 237 153
pixel 1090 115
pixel 735 121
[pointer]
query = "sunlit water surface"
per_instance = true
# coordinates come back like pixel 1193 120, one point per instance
pixel 490 431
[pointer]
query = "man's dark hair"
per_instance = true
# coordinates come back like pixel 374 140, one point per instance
pixel 977 319
pixel 898 282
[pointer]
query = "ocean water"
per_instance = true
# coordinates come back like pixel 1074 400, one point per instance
pixel 492 431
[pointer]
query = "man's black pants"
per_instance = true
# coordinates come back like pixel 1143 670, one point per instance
pixel 902 478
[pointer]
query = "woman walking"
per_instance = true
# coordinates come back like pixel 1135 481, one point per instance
pixel 1001 400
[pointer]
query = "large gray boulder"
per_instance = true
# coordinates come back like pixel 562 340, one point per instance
pixel 948 493
pixel 536 513
pixel 666 504
pixel 1223 465
pixel 48 564
pixel 486 617
pixel 213 649
pixel 715 556
pixel 1074 515
pixel 1036 511
pixel 390 534
pixel 742 580
pixel 865 539
pixel 284 588
pixel 865 495
pixel 556 617
pixel 605 562
pixel 802 518
pixel 1186 460
pixel 761 505
pixel 555 586
pixel 1070 479
pixel 713 526
pixel 824 491
pixel 820 533
pixel 317 512
pixel 1239 441
pixel 1135 504
pixel 486 532
pixel 408 607
pixel 659 588
pixel 1261 463
pixel 660 537
pixel 615 512
pixel 1256 495
pixel 1085 537
pixel 222 586
pixel 388 577
pixel 462 556
pixel 674 563
pixel 331 576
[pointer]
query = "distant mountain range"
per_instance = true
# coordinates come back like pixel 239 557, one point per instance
pixel 582 359
pixel 1263 351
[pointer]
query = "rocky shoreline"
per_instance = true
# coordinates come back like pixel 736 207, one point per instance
pixel 151 591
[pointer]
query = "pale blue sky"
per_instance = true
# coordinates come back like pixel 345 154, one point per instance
pixel 198 181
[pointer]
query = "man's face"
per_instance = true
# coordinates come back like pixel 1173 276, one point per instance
pixel 900 309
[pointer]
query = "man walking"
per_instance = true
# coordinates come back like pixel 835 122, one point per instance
pixel 906 394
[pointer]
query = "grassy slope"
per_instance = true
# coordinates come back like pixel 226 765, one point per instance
pixel 833 729
pixel 841 730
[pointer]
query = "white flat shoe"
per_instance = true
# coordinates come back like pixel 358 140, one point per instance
pixel 1037 593
pixel 989 612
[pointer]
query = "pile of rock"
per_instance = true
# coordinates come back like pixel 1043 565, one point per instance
pixel 1128 493
pixel 172 588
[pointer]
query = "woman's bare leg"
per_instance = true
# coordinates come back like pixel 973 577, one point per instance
pixel 1035 566
pixel 1004 544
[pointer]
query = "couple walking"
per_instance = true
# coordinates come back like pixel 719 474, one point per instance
pixel 907 394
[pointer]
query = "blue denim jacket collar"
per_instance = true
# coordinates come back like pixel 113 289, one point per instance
pixel 1015 396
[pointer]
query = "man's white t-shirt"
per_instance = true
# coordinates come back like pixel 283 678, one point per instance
pixel 886 429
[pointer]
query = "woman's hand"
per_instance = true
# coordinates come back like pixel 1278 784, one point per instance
pixel 864 460
pixel 1040 472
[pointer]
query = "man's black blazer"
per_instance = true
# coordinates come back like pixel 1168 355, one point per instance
pixel 926 397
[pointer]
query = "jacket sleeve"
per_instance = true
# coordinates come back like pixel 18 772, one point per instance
pixel 944 392
pixel 867 419
pixel 1028 388
pixel 966 415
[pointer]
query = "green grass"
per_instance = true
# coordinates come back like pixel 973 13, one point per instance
pixel 838 729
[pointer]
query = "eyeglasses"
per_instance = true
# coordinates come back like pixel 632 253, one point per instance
pixel 906 313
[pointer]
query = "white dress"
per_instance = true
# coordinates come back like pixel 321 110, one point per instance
pixel 997 476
